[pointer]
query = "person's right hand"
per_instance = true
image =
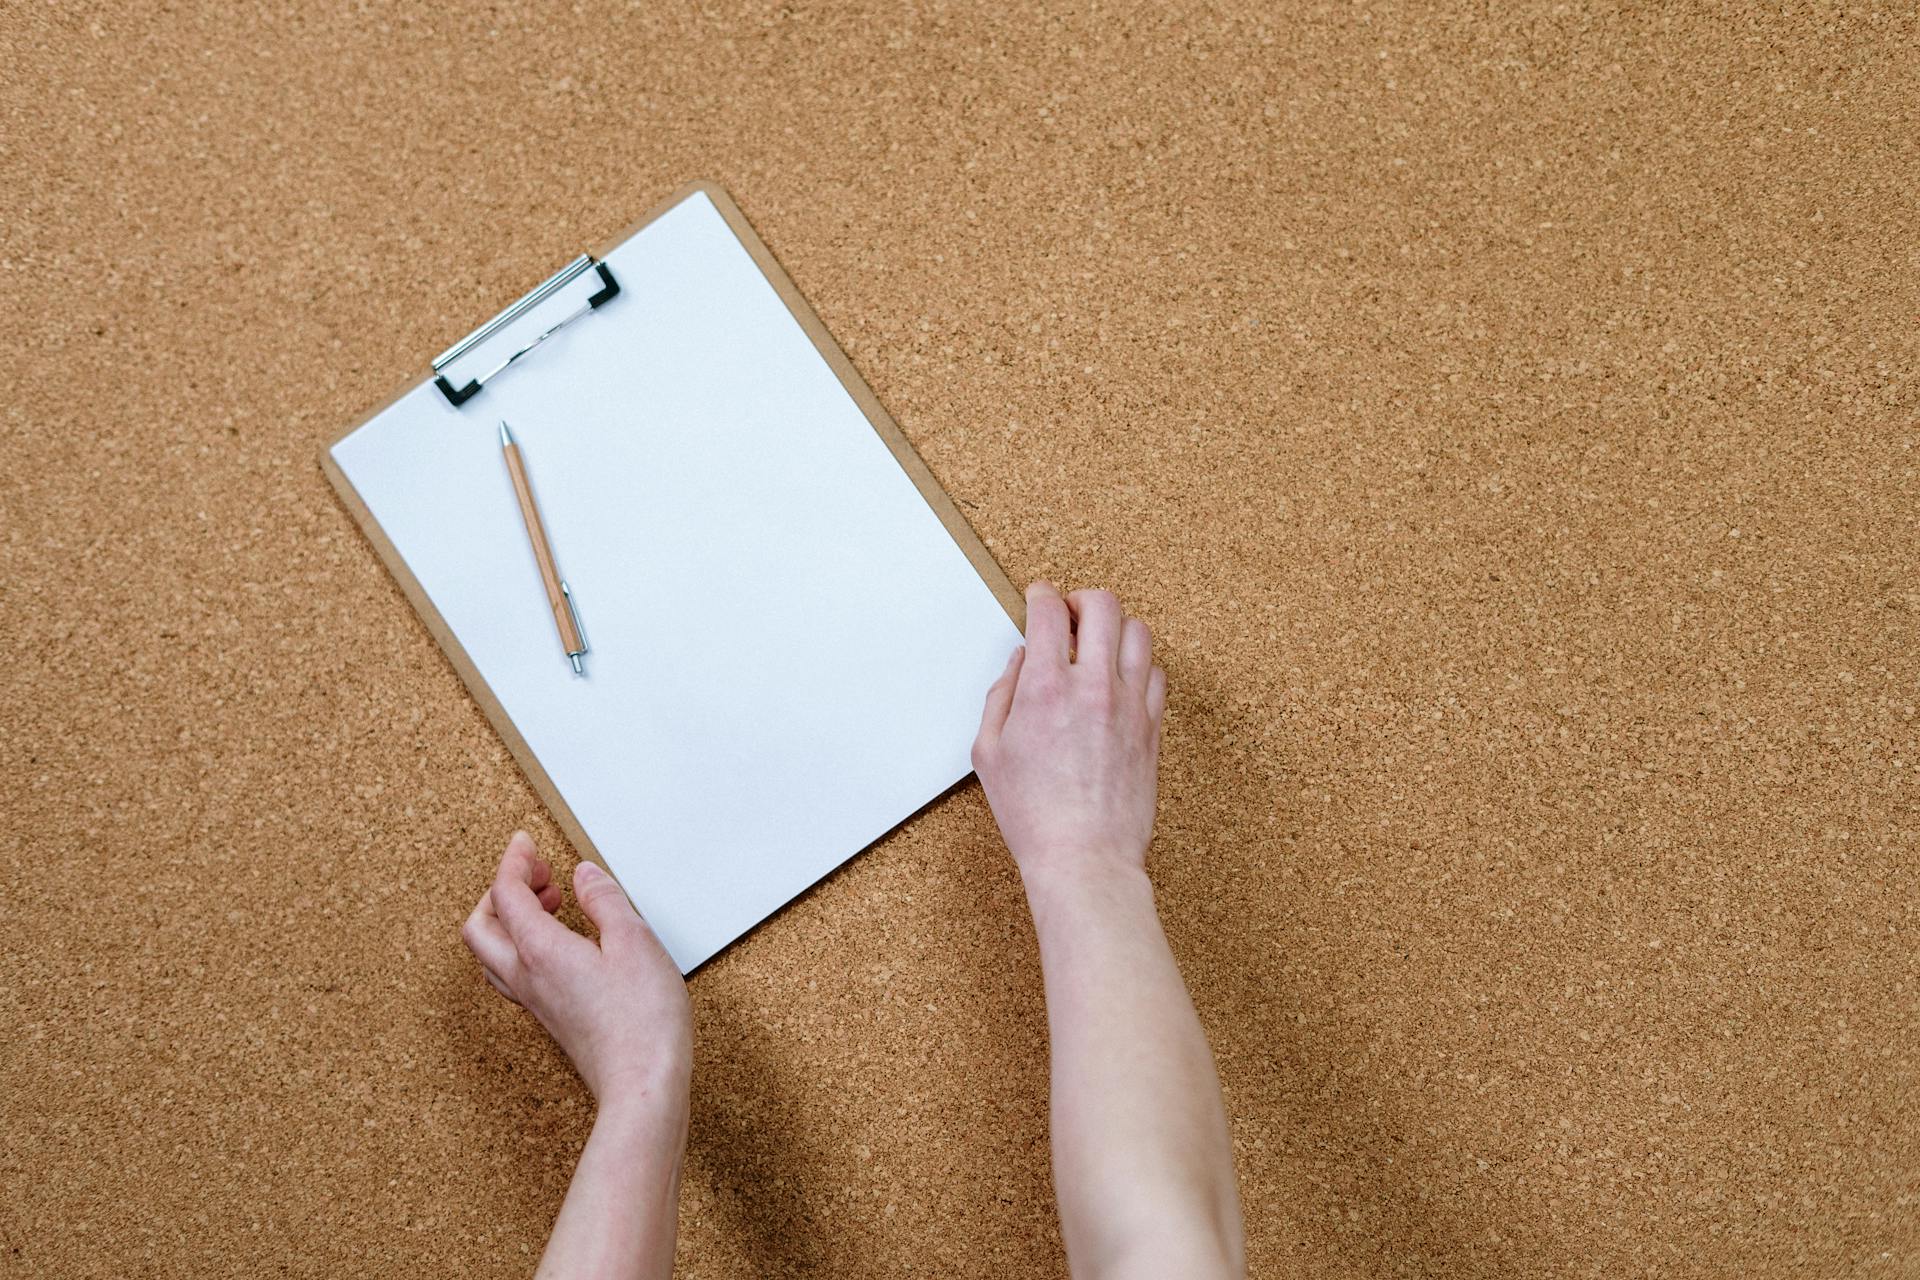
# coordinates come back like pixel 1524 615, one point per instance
pixel 1069 742
pixel 618 1007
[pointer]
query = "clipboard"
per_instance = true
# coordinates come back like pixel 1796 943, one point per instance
pixel 463 377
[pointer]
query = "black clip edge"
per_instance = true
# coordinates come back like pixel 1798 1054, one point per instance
pixel 610 288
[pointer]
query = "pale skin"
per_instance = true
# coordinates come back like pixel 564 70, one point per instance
pixel 1068 751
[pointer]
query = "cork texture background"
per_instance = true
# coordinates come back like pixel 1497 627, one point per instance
pixel 1507 420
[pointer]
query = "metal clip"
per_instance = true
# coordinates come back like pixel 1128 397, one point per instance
pixel 574 655
pixel 609 288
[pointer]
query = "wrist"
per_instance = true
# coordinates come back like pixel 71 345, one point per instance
pixel 649 1100
pixel 1066 887
pixel 644 1119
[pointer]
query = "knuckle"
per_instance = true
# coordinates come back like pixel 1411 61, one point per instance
pixel 536 955
pixel 607 899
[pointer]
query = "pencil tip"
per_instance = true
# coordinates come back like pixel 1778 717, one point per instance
pixel 506 436
pixel 578 669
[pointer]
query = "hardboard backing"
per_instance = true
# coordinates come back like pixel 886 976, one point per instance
pixel 1505 419
pixel 1010 598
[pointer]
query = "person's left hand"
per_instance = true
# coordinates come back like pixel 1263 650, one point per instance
pixel 618 1007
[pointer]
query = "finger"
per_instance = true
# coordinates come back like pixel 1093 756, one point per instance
pixel 1097 638
pixel 1049 629
pixel 549 893
pixel 605 903
pixel 550 897
pixel 1136 652
pixel 1156 694
pixel 487 938
pixel 1000 695
pixel 514 900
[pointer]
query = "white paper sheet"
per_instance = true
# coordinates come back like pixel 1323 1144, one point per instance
pixel 788 650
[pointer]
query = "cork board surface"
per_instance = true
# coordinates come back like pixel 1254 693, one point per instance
pixel 1507 421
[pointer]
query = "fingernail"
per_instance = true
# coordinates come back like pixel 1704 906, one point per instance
pixel 520 838
pixel 589 872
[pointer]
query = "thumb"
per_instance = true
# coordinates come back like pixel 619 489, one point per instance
pixel 605 902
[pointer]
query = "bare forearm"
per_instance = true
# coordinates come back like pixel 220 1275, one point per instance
pixel 1142 1159
pixel 621 1208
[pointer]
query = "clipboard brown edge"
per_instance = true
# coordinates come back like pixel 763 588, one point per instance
pixel 856 386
